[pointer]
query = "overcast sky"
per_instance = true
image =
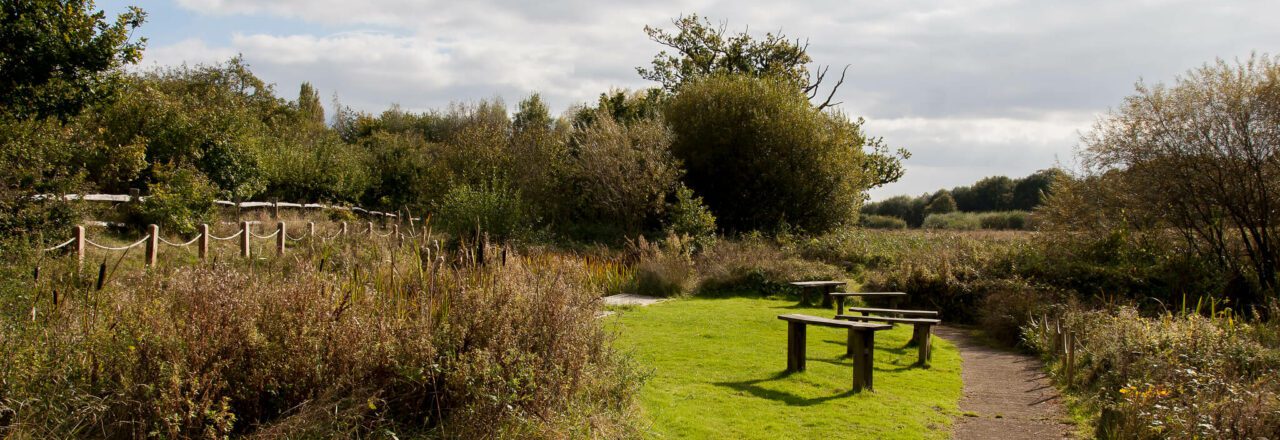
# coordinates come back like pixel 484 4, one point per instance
pixel 972 87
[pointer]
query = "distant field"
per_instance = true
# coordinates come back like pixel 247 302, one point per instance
pixel 718 372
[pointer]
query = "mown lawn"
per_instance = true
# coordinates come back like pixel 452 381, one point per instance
pixel 718 371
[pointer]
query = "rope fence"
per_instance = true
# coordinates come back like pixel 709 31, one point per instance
pixel 79 243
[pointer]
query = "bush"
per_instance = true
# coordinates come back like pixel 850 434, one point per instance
pixel 621 176
pixel 882 222
pixel 762 156
pixel 955 221
pixel 494 209
pixel 297 348
pixel 180 202
pixel 1175 375
pixel 687 216
pixel 757 266
pixel 664 269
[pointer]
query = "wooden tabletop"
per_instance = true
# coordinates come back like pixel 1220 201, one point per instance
pixel 817 283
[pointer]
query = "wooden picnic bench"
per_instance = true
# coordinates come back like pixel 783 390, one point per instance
pixel 860 345
pixel 840 296
pixel 823 287
pixel 920 337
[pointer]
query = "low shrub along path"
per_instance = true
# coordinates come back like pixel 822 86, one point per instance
pixel 1006 394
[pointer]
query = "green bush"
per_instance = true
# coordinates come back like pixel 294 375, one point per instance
pixel 179 203
pixel 1003 220
pixel 955 221
pixel 688 216
pixel 621 175
pixel 882 222
pixel 757 266
pixel 762 156
pixel 495 209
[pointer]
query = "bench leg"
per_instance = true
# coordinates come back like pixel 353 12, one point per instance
pixel 839 305
pixel 826 297
pixel 863 350
pixel 795 346
pixel 921 337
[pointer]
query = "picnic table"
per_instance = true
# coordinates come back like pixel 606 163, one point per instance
pixel 840 296
pixel 825 287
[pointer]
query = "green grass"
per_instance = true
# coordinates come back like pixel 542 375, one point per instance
pixel 718 371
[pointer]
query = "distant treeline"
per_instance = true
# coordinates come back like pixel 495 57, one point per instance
pixel 995 194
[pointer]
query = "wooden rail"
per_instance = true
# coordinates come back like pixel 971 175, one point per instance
pixel 125 198
pixel 80 242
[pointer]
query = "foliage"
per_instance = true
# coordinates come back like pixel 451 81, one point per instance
pixel 941 203
pixel 621 175
pixel 991 194
pixel 881 222
pixel 1176 375
pixel 59 57
pixel 179 202
pixel 755 265
pixel 968 221
pixel 336 342
pixel 1200 157
pixel 687 216
pixel 761 156
pixel 960 221
pixel 494 209
pixel 664 268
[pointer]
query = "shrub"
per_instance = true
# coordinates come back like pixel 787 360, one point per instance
pixel 621 175
pixel 180 202
pixel 956 221
pixel 296 348
pixel 664 269
pixel 687 216
pixel 494 209
pixel 1173 376
pixel 882 222
pixel 757 266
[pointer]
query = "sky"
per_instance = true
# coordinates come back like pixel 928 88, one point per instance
pixel 972 88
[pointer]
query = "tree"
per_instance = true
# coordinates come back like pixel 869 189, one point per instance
pixel 762 156
pixel 309 104
pixel 1201 157
pixel 993 193
pixel 940 203
pixel 703 49
pixel 532 114
pixel 59 56
pixel 1029 192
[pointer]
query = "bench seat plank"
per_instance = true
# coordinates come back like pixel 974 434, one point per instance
pixel 867 294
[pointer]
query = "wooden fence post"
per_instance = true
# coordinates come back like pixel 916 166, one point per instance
pixel 244 239
pixel 275 208
pixel 370 229
pixel 204 241
pixel 80 245
pixel 1071 358
pixel 395 232
pixel 280 238
pixel 343 229
pixel 153 244
pixel 311 229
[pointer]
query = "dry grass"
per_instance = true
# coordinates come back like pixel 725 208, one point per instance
pixel 341 340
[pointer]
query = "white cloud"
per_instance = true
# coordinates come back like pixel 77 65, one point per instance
pixel 971 87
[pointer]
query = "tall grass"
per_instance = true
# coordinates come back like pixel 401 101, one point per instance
pixel 346 340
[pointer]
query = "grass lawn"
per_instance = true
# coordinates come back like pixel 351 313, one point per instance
pixel 718 371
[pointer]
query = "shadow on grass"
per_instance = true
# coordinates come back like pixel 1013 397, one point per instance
pixel 754 388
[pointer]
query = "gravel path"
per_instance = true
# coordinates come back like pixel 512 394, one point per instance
pixel 1006 394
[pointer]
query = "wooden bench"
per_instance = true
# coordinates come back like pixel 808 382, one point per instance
pixel 860 346
pixel 823 288
pixel 920 337
pixel 840 296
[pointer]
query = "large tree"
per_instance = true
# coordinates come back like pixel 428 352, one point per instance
pixel 59 56
pixel 1201 156
pixel 762 156
pixel 702 48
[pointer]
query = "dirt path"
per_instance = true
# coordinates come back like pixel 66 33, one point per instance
pixel 1006 394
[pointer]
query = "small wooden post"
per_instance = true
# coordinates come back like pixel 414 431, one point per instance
pixel 395 232
pixel 795 346
pixel 311 229
pixel 275 208
pixel 80 245
pixel 153 244
pixel 244 239
pixel 343 229
pixel 370 229
pixel 1071 358
pixel 204 241
pixel 281 238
